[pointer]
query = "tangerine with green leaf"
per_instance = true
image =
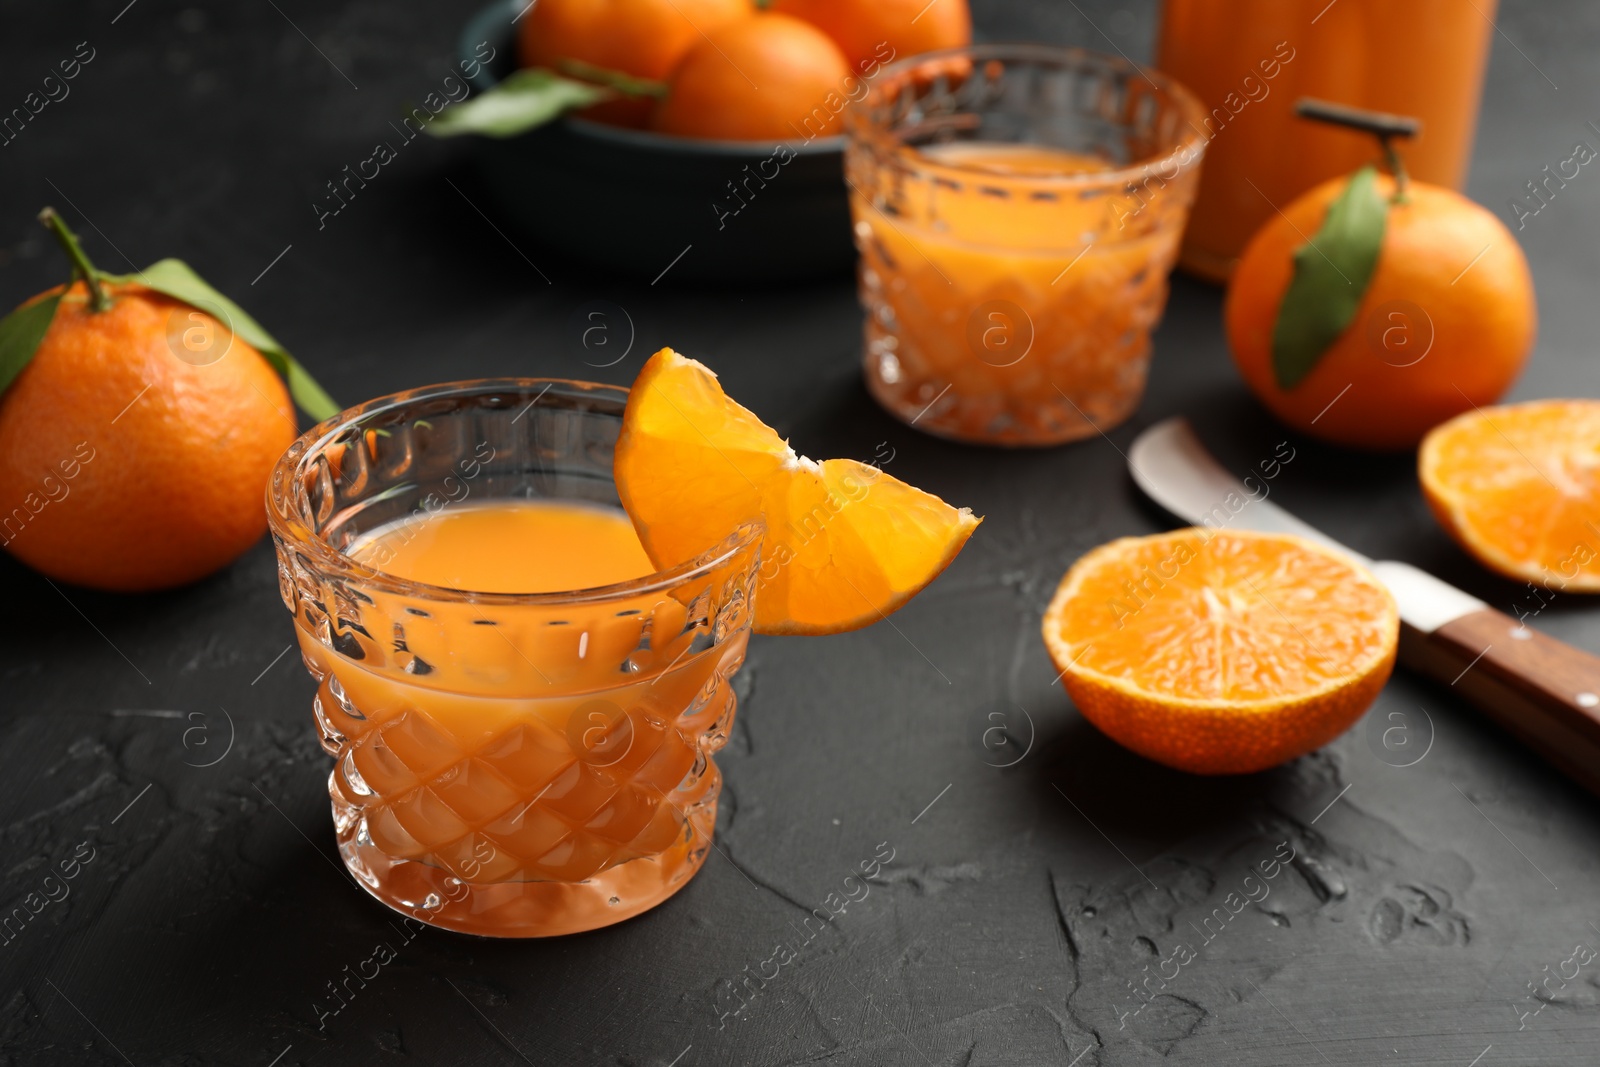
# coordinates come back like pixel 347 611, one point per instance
pixel 1366 316
pixel 137 430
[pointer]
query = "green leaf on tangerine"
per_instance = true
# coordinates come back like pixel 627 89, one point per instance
pixel 178 280
pixel 526 99
pixel 1331 275
pixel 20 334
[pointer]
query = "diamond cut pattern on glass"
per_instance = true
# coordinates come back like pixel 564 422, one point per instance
pixel 420 794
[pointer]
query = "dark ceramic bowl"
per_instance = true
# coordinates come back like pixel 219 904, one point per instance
pixel 640 202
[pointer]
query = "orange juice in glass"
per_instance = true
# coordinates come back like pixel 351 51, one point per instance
pixel 1249 60
pixel 521 709
pixel 1018 210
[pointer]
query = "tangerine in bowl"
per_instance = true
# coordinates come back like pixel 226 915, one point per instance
pixel 660 206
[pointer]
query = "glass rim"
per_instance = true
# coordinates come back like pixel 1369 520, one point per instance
pixel 285 524
pixel 1189 149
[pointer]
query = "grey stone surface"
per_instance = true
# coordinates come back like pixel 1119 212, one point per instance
pixel 1022 908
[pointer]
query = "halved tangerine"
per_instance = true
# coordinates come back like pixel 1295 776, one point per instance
pixel 1518 486
pixel 846 544
pixel 1221 651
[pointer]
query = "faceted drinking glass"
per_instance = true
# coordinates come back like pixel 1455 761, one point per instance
pixel 1018 209
pixel 509 764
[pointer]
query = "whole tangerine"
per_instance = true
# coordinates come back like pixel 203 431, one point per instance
pixel 643 38
pixel 136 444
pixel 1445 325
pixel 768 77
pixel 873 32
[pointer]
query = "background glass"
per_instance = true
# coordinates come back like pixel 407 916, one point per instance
pixel 1006 303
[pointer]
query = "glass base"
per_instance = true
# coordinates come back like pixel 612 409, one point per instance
pixel 991 418
pixel 435 897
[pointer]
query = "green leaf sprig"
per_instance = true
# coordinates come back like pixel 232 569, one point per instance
pixel 22 331
pixel 20 334
pixel 534 96
pixel 1331 275
pixel 1333 270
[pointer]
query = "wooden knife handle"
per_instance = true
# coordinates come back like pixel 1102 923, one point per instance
pixel 1545 692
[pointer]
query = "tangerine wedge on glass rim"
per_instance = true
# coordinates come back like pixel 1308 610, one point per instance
pixel 1518 486
pixel 845 545
pixel 1221 651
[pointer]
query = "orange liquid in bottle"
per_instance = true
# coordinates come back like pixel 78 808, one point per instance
pixel 1249 60
pixel 558 780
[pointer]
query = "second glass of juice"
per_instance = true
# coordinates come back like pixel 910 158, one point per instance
pixel 1018 209
pixel 521 708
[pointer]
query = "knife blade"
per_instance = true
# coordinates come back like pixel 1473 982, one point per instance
pixel 1542 690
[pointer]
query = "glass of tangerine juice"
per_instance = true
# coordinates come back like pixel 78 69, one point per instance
pixel 521 708
pixel 1018 209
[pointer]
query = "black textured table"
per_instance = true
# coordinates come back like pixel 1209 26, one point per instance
pixel 162 749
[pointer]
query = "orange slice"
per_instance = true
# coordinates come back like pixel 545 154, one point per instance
pixel 1518 486
pixel 846 544
pixel 1221 651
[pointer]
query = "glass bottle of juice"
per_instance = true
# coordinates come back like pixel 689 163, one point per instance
pixel 1249 60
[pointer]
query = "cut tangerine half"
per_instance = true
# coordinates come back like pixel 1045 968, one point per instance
pixel 1518 486
pixel 846 544
pixel 1221 651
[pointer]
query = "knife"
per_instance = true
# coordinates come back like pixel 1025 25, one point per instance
pixel 1543 691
